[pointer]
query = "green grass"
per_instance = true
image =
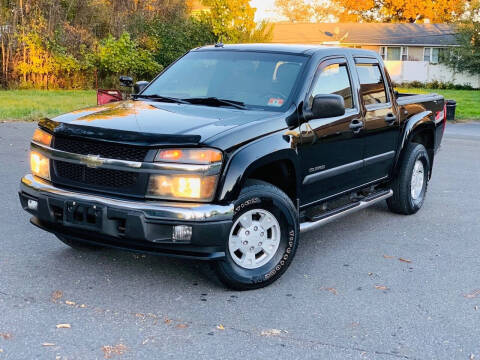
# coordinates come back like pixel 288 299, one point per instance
pixel 32 105
pixel 468 101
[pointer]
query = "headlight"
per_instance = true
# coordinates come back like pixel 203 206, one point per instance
pixel 42 137
pixel 40 165
pixel 189 156
pixel 182 187
pixel 186 186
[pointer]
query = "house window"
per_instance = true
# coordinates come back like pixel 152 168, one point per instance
pixel 435 55
pixel 394 53
pixel 383 52
pixel 427 54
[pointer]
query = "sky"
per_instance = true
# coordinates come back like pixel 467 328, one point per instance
pixel 265 10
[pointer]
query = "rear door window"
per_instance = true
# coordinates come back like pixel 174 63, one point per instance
pixel 372 85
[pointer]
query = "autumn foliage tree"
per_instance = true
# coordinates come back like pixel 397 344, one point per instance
pixel 436 11
pixel 73 43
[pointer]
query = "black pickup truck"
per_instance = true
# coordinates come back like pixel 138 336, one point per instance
pixel 230 153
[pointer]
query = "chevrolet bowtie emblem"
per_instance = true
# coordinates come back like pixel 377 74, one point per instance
pixel 92 161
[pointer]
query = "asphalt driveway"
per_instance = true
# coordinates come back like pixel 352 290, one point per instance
pixel 371 286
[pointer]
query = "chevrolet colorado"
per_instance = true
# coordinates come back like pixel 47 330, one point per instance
pixel 230 153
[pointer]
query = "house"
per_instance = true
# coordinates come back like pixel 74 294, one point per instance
pixel 412 52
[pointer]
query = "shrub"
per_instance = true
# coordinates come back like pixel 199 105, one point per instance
pixel 434 85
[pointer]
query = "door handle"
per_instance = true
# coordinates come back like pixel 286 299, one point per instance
pixel 356 125
pixel 390 118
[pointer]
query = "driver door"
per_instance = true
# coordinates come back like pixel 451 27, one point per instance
pixel 331 150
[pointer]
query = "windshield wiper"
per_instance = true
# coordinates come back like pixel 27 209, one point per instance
pixel 214 101
pixel 161 98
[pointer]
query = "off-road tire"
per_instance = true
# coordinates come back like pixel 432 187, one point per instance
pixel 402 201
pixel 262 195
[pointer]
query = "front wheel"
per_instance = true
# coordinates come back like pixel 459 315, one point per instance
pixel 411 183
pixel 262 240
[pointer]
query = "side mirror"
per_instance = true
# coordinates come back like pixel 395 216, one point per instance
pixel 326 106
pixel 126 81
pixel 139 86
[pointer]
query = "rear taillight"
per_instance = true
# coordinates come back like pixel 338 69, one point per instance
pixel 442 116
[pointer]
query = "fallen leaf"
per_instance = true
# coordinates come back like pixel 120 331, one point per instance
pixel 405 260
pixel 6 336
pixel 182 326
pixel 381 287
pixel 330 289
pixel 220 327
pixel 57 294
pixel 48 344
pixel 63 326
pixel 473 294
pixel 70 302
pixel 109 351
pixel 388 257
pixel 167 321
pixel 273 332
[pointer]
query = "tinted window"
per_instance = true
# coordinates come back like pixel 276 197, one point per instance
pixel 334 79
pixel 262 80
pixel 371 84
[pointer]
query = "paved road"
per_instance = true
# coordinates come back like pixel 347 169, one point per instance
pixel 327 306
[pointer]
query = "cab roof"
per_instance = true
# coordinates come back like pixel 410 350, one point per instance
pixel 299 49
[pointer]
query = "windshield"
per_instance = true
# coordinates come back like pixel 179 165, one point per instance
pixel 257 80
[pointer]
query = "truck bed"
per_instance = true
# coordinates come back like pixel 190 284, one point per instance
pixel 407 99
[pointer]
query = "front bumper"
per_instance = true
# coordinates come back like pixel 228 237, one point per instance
pixel 144 226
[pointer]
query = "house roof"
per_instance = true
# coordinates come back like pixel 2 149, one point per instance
pixel 364 34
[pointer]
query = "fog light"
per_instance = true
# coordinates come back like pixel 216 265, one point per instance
pixel 32 204
pixel 182 233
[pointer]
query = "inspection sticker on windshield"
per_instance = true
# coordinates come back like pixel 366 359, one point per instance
pixel 275 102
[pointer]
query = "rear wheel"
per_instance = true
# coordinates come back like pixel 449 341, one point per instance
pixel 263 238
pixel 78 245
pixel 410 185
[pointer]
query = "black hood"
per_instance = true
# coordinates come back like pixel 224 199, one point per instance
pixel 153 123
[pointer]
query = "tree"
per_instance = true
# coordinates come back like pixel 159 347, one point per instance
pixel 123 56
pixel 170 40
pixel 295 10
pixel 233 21
pixel 436 11
pixel 466 58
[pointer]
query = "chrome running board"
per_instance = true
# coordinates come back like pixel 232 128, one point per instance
pixel 350 208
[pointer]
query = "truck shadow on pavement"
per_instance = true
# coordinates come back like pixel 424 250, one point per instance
pixel 119 268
